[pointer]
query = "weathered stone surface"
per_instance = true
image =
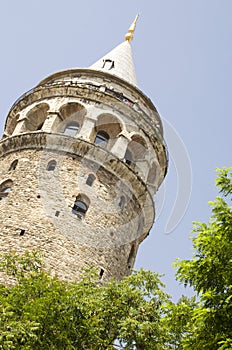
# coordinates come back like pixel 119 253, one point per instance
pixel 37 207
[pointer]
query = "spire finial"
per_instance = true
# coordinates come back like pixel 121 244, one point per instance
pixel 131 30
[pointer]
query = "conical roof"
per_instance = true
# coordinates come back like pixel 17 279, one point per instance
pixel 118 62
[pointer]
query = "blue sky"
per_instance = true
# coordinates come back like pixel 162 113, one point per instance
pixel 183 59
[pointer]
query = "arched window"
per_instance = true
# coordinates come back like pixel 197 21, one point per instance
pixel 51 165
pixel 110 124
pixel 4 193
pixel 5 189
pixel 11 124
pixel 101 138
pixel 80 206
pixel 36 117
pixel 128 157
pixel 13 165
pixel 136 150
pixel 122 202
pixel 90 179
pixel 72 128
pixel 138 147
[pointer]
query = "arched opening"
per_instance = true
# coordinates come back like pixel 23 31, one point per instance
pixel 5 189
pixel 90 179
pixel 71 128
pixel 136 149
pixel 72 115
pixel 107 127
pixel 72 111
pixel 138 146
pixel 13 165
pixel 101 138
pixel 36 117
pixel 80 206
pixel 51 165
pixel 11 124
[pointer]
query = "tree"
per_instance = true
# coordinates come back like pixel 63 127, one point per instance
pixel 41 312
pixel 177 319
pixel 209 272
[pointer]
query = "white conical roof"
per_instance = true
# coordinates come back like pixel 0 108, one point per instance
pixel 118 62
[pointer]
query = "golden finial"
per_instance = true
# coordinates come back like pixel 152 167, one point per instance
pixel 131 30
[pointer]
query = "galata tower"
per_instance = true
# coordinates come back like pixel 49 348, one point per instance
pixel 81 158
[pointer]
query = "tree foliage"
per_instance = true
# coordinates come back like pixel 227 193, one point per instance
pixel 209 272
pixel 41 312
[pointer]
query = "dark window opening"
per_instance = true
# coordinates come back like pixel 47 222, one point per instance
pixel 101 273
pixel 71 128
pixel 90 180
pixel 4 193
pixel 131 256
pixel 51 165
pixel 79 208
pixel 80 205
pixel 101 138
pixel 22 232
pixel 57 213
pixel 14 164
pixel 5 189
pixel 122 202
pixel 108 64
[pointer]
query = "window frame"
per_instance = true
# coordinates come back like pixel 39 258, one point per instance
pixel 13 165
pixel 5 189
pixel 90 180
pixel 72 126
pixel 80 206
pixel 51 166
pixel 102 138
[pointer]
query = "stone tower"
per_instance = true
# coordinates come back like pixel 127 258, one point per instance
pixel 81 157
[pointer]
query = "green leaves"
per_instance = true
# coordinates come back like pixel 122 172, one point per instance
pixel 40 312
pixel 224 180
pixel 209 272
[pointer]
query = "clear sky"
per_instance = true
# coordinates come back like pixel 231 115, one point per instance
pixel 183 59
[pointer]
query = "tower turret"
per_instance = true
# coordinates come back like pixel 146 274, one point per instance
pixel 81 157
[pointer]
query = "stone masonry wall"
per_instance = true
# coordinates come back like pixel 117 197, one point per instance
pixel 28 218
